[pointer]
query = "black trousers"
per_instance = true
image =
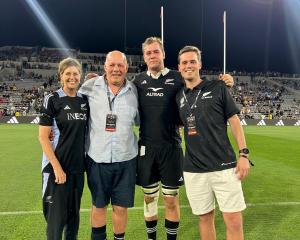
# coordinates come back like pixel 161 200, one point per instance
pixel 61 205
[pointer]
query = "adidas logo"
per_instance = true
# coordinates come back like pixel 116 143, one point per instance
pixel 280 123
pixel 243 122
pixel 144 82
pixel 180 179
pixel 297 123
pixel 13 120
pixel 261 123
pixel 35 121
pixel 67 107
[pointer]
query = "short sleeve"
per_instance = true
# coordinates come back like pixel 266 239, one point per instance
pixel 48 111
pixel 230 107
pixel 87 87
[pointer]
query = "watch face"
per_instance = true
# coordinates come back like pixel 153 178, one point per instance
pixel 245 150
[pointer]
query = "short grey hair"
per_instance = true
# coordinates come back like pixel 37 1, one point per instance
pixel 115 51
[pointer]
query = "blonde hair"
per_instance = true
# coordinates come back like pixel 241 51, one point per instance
pixel 151 40
pixel 68 62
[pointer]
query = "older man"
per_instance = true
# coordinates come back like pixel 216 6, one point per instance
pixel 111 145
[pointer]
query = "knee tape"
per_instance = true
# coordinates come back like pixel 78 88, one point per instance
pixel 150 208
pixel 170 191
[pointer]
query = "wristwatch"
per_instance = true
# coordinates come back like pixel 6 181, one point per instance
pixel 244 151
pixel 245 154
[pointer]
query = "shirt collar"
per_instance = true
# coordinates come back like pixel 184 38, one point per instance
pixel 162 72
pixel 198 87
pixel 100 81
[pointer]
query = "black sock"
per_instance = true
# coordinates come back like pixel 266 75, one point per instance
pixel 98 233
pixel 171 229
pixel 151 229
pixel 119 236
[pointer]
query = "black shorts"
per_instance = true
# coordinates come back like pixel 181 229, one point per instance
pixel 112 182
pixel 163 164
pixel 61 205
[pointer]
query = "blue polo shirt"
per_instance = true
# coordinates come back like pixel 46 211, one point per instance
pixel 104 146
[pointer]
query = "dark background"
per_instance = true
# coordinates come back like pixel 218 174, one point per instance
pixel 262 35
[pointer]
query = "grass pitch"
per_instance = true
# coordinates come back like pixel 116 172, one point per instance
pixel 272 190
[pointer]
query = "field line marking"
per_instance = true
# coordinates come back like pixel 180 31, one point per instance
pixel 160 207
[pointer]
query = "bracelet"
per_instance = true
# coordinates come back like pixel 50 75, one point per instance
pixel 245 156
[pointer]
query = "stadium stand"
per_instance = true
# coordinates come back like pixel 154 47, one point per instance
pixel 265 96
pixel 27 74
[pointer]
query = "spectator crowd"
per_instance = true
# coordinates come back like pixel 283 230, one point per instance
pixel 270 95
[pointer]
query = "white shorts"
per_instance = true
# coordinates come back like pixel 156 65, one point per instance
pixel 203 188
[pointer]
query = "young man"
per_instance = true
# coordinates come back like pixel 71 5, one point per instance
pixel 112 145
pixel 160 153
pixel 210 167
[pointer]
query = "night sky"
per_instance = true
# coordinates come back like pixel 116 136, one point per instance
pixel 262 35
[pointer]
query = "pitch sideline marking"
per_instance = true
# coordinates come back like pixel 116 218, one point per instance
pixel 160 207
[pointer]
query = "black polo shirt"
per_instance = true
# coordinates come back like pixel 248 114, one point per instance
pixel 158 109
pixel 68 118
pixel 210 149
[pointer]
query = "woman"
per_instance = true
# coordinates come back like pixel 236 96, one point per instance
pixel 65 112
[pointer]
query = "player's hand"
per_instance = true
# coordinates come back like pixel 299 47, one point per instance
pixel 242 167
pixel 51 136
pixel 90 75
pixel 60 176
pixel 227 78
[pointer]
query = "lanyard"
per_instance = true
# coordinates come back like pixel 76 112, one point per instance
pixel 111 101
pixel 191 107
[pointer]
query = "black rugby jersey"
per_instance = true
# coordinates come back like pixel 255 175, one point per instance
pixel 158 110
pixel 68 117
pixel 210 149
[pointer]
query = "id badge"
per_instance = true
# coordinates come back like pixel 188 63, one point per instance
pixel 111 122
pixel 191 125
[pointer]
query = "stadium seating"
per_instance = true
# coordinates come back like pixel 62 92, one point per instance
pixel 27 74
